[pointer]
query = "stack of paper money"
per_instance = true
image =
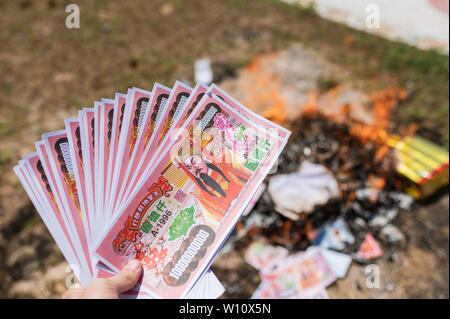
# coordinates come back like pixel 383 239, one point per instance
pixel 161 176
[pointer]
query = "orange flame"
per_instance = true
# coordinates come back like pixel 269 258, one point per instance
pixel 266 94
pixel 383 103
pixel 264 89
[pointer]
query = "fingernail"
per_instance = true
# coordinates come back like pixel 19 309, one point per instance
pixel 134 265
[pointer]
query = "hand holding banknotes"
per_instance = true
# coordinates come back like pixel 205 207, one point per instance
pixel 108 288
pixel 134 177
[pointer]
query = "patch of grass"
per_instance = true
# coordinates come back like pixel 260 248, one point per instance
pixel 166 83
pixel 306 9
pixel 30 223
pixel 79 104
pixel 6 157
pixel 168 65
pixel 240 4
pixel 239 62
pixel 12 124
pixel 432 62
pixel 31 35
pixel 220 47
pixel 4 128
pixel 177 3
pixel 397 56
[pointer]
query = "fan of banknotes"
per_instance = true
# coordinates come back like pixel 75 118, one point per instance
pixel 161 176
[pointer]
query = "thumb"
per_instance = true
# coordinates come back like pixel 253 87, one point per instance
pixel 127 278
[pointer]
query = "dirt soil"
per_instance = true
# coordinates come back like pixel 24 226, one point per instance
pixel 418 268
pixel 48 72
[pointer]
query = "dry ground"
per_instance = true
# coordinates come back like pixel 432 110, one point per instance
pixel 48 72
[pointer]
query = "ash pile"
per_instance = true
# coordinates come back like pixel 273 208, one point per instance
pixel 332 200
pixel 330 173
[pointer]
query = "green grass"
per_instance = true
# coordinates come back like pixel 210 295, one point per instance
pixel 424 73
pixel 397 56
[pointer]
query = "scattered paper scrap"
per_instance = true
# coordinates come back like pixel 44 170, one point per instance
pixel 338 262
pixel 335 235
pixel 369 249
pixel 264 257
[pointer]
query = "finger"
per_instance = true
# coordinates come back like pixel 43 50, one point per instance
pixel 127 278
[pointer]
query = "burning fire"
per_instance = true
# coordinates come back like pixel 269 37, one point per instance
pixel 343 129
pixel 367 116
pixel 383 103
pixel 266 94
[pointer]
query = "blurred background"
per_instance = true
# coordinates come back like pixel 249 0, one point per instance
pixel 355 81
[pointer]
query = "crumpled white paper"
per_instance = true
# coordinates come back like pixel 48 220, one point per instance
pixel 297 193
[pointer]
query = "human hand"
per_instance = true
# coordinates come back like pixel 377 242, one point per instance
pixel 108 288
